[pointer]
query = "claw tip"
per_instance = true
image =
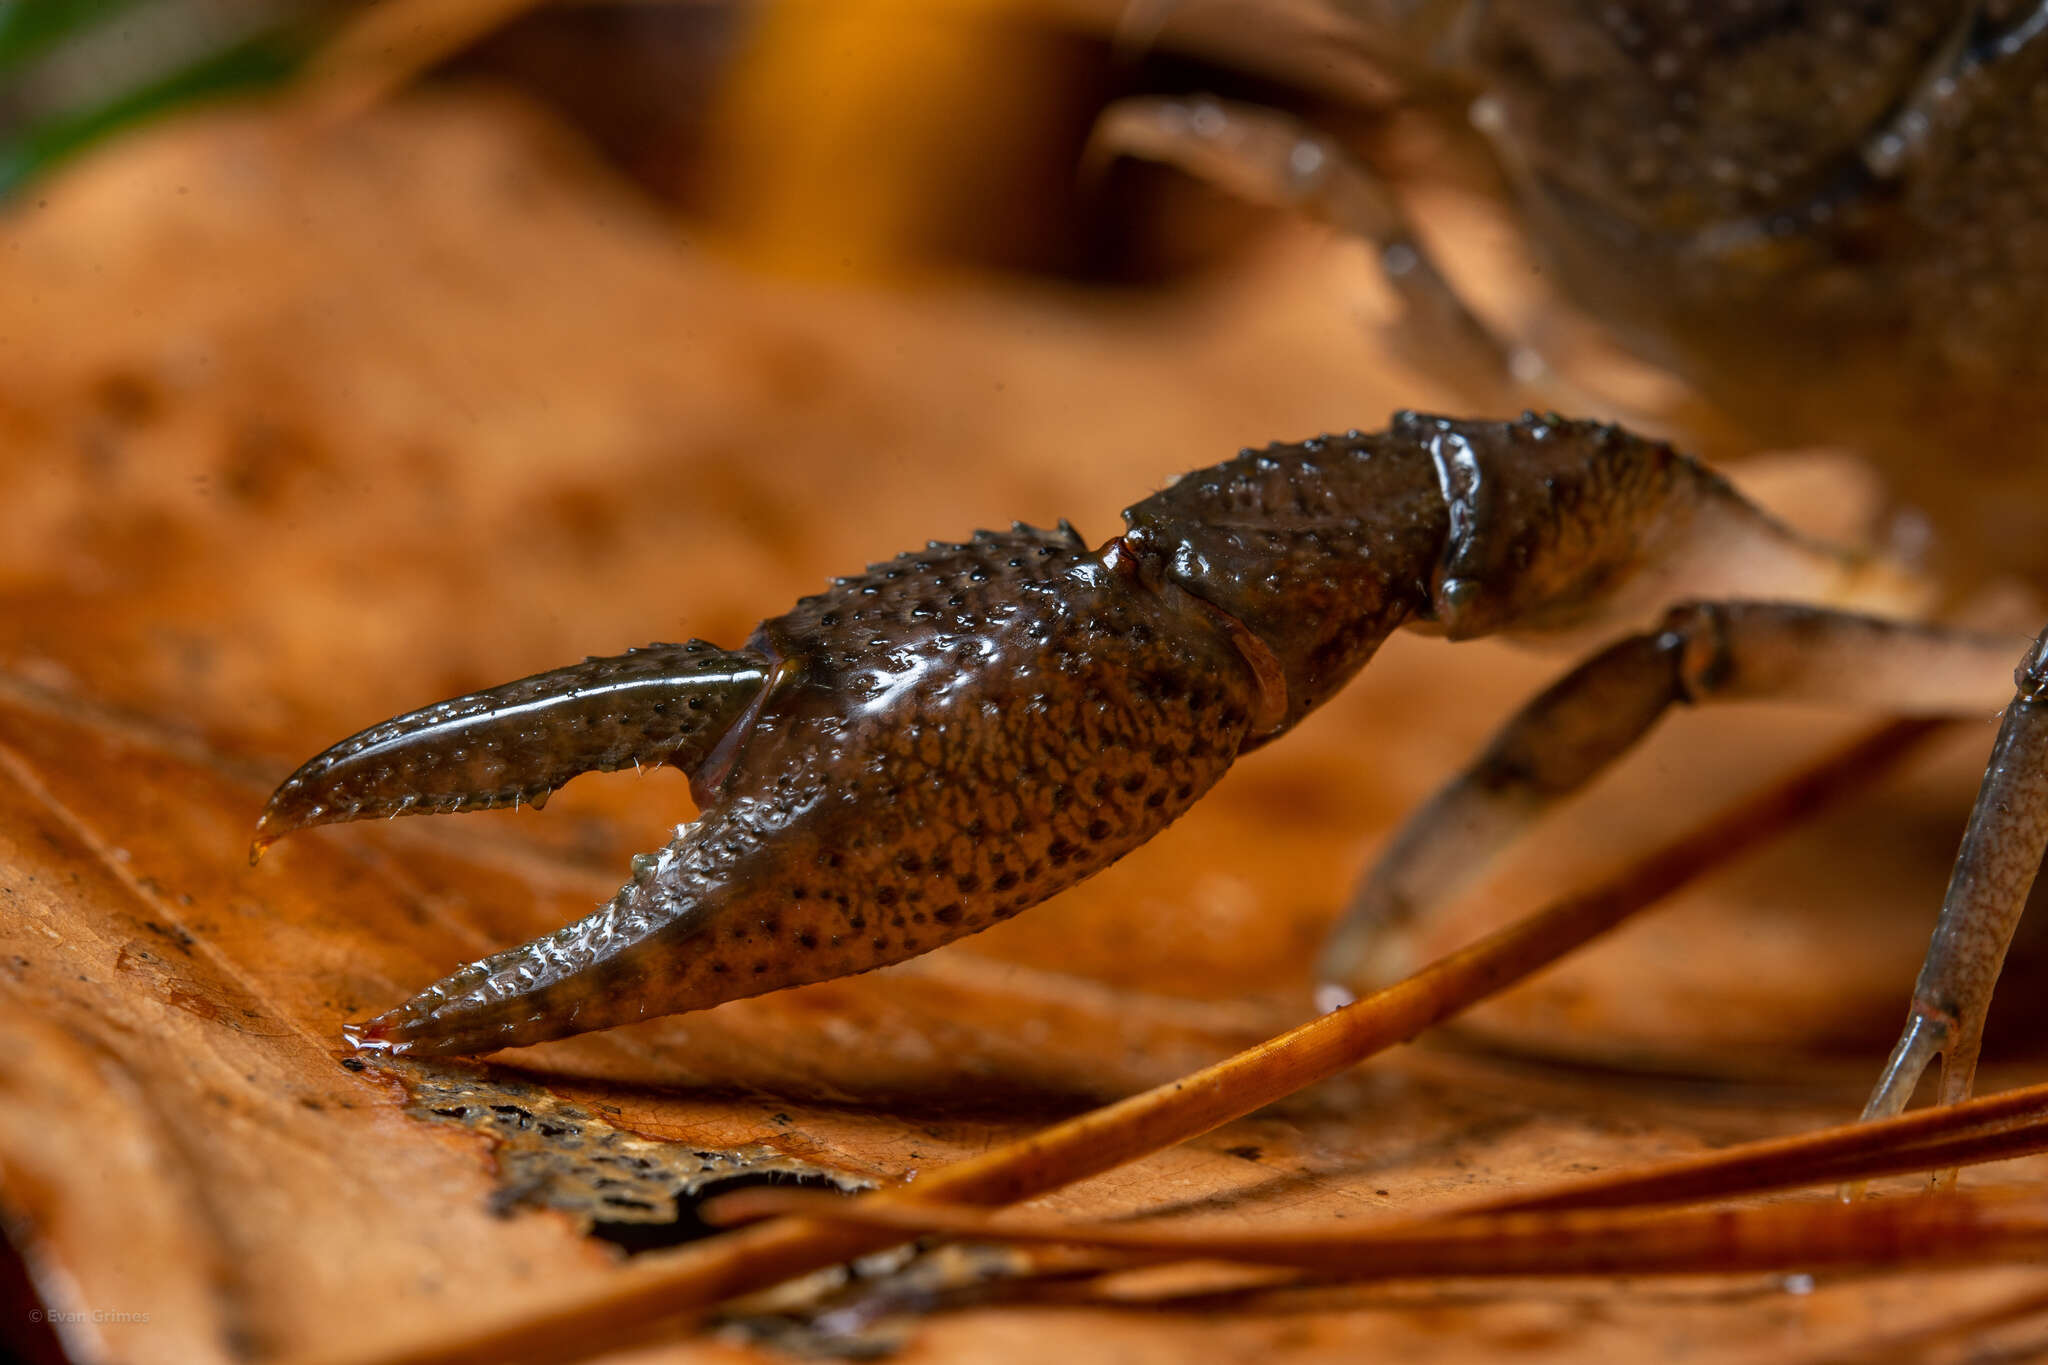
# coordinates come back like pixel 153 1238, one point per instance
pixel 372 1036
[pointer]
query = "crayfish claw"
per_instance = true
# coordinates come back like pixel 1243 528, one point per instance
pixel 922 750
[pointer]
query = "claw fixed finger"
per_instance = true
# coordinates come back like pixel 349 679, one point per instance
pixel 515 744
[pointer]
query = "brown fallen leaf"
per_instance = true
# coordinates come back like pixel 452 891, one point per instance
pixel 301 429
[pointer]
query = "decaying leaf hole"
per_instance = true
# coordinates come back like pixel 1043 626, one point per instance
pixel 636 1192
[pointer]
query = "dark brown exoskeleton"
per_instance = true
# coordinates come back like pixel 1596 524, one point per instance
pixel 1829 217
pixel 959 733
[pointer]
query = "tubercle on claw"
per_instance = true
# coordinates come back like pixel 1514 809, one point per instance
pixel 941 741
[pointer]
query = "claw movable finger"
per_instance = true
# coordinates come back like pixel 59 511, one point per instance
pixel 517 743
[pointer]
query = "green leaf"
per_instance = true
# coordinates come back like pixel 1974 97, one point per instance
pixel 253 63
pixel 28 28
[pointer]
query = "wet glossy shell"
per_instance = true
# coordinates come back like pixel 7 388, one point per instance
pixel 963 732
